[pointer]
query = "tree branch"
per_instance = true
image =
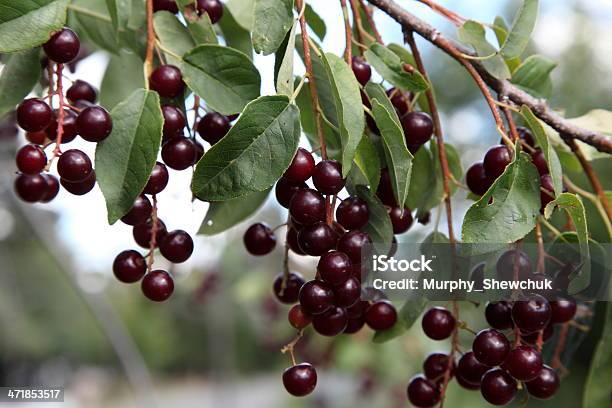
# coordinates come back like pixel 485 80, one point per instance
pixel 502 87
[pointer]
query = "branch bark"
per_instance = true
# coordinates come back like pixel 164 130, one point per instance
pixel 502 87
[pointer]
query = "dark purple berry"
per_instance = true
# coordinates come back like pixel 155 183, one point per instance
pixel 563 309
pixel 288 293
pixel 436 365
pixel 523 363
pixel 158 180
pixel 139 213
pixel 297 318
pixel 177 246
pixel 347 293
pixel 213 126
pixel 545 384
pixel 301 168
pixel 334 267
pixel 401 219
pixel 491 347
pixel 94 124
pixel 470 371
pixel 167 5
pixel 496 160
pixel 327 177
pixel 31 159
pixel 361 69
pixel 423 393
pixel 80 187
pixel 81 91
pixel 418 128
pixel 129 266
pixel 330 323
pixel 316 297
pixel 63 46
pixel 352 213
pixel 317 239
pixel 179 153
pixel 307 207
pixel 300 380
pixel 143 233
pixel 498 387
pixel 285 190
pixel 174 121
pixel 477 180
pixel 30 188
pixel 381 315
pixel 74 166
pixel 356 245
pixel 531 313
pixel 539 160
pixel 499 315
pixel 157 285
pixel 438 323
pixel 167 81
pixel 53 186
pixel 34 115
pixel 506 264
pixel 214 9
pixel 259 239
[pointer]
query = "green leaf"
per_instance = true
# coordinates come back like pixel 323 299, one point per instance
pixel 500 28
pixel 242 12
pixel 399 159
pixel 19 75
pixel 111 5
pixel 554 165
pixel 123 76
pixel 27 24
pixel 407 316
pixel 597 390
pixel 533 75
pixel 473 33
pixel 572 204
pixel 234 34
pixel 173 36
pixel 315 22
pixel 514 208
pixel 253 155
pixel 272 20
pixel 522 27
pixel 368 163
pixel 379 226
pixel 125 159
pixel 284 76
pixel 389 65
pixel 225 78
pixel 349 110
pixel 223 215
pixel 202 30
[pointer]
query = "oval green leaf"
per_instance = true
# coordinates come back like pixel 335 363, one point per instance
pixel 533 75
pixel 389 65
pixel 223 215
pixel 272 20
pixel 19 76
pixel 522 27
pixel 173 35
pixel 379 224
pixel 473 33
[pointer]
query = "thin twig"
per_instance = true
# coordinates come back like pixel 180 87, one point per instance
pixel 153 239
pixel 148 65
pixel 368 13
pixel 455 18
pixel 348 33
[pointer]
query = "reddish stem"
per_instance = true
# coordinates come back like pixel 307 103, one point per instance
pixel 150 41
pixel 368 13
pixel 455 18
pixel 61 114
pixel 153 241
pixel 347 33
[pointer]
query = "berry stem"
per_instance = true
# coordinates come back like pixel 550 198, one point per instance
pixel 153 240
pixel 368 13
pixel 347 32
pixel 511 124
pixel 540 266
pixel 556 359
pixel 61 114
pixel 289 347
pixel 148 65
pixel 360 32
pixel 450 15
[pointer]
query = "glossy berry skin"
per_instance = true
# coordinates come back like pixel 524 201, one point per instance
pixel 532 338
pixel 361 69
pixel 499 315
pixel 30 188
pixel 129 266
pixel 523 363
pixel 177 246
pixel 70 129
pixel 317 239
pixel 179 153
pixel 347 293
pixel 356 244
pixel 34 115
pixel 532 313
pixel 352 213
pixel 307 207
pixel 526 136
pixel 545 384
pixel 334 267
pixel 301 168
pixel 316 297
pixel 259 239
pixel 199 151
pixel 292 241
pixel 167 5
pixel 285 189
pixel 401 219
pixel 563 309
pixel 400 100
pixel 505 265
pixel 80 187
pixel 288 294
pixel 381 315
pixel 94 124
pixel 327 177
pixel 300 380
pixel 491 347
pixel 330 323
pixel 31 159
pixel 418 127
pixel 158 180
pixel 477 180
pixel 213 126
pixel 547 190
pixel 167 81
pixel 435 366
pixel 157 285
pixel 81 91
pixel 74 166
pixel 63 46
pixel 470 370
pixel 539 160
pixel 423 393
pixel 297 318
pixel 496 160
pixel 174 121
pixel 37 138
pixel 498 387
pixel 143 233
pixel 52 189
pixel 354 325
pixel 438 323
pixel 385 190
pixel 139 213
pixel 214 9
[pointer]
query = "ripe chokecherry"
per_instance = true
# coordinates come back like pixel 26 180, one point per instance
pixel 496 160
pixel 539 160
pixel 470 371
pixel 438 323
pixel 545 384
pixel 523 363
pixel 213 126
pixel 139 213
pixel 423 393
pixel 157 285
pixel 353 325
pixel 297 318
pixel 167 5
pixel 177 246
pixel 259 239
pixel 158 180
pixel 53 186
pixel 129 266
pixel 174 121
pixel 361 69
pixel 300 380
pixel 316 297
pixel 292 241
pixel 317 239
pixel 327 177
pixel 179 153
pixel 301 168
pixel 532 338
pixel 285 190
pixel 418 128
pixel 526 136
pixel 506 264
pixel 531 313
pixel 400 100
pixel 381 315
pixel 499 315
pixel 491 347
pixel 352 213
pixel 385 190
pixel 477 180
pixel 34 115
pixel 563 309
pixel 80 187
pixel 347 293
pixel 70 129
pixel 167 81
pixel 401 219
pixel 435 366
pixel 63 46
pixel 288 293
pixel 30 188
pixel 38 138
pixel 330 323
pixel 94 124
pixel 355 244
pixel 81 91
pixel 74 166
pixel 143 233
pixel 31 159
pixel 334 267
pixel 547 191
pixel 307 206
pixel 498 387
